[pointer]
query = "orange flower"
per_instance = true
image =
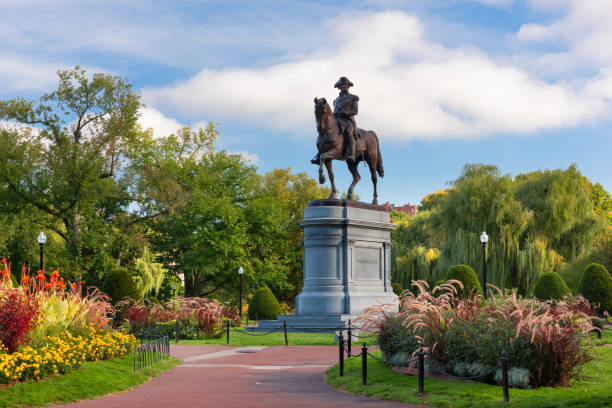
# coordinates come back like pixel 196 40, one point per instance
pixel 55 274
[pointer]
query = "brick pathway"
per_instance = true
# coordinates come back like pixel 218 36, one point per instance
pixel 219 376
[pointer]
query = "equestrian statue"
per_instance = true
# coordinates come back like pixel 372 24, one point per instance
pixel 340 139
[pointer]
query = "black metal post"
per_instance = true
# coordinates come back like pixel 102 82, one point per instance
pixel 421 371
pixel 484 268
pixel 240 298
pixel 41 256
pixel 134 358
pixel 364 364
pixel 341 353
pixel 285 330
pixel 228 329
pixel 599 326
pixel 176 331
pixel 505 377
pixel 350 339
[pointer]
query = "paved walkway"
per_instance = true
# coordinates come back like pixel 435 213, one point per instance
pixel 219 376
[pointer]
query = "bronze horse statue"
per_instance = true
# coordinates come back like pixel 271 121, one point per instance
pixel 330 144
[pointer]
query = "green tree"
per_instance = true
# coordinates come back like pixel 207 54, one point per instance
pixel 66 172
pixel 536 223
pixel 149 274
pixel 287 195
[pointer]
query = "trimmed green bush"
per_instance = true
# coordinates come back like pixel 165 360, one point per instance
pixel 596 286
pixel 550 285
pixel 119 284
pixel 397 288
pixel 263 305
pixel 467 276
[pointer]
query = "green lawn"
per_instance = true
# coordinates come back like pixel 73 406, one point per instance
pixel 593 391
pixel 92 379
pixel 274 339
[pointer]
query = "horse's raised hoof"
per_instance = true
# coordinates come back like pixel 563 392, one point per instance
pixel 315 161
pixel 321 178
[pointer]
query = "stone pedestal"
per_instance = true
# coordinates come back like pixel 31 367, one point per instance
pixel 347 267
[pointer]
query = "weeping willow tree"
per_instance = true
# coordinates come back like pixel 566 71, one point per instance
pixel 413 253
pixel 150 274
pixel 535 223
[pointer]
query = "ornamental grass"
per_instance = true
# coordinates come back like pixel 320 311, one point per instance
pixel 206 315
pixel 546 340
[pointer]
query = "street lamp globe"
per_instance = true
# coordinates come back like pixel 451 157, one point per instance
pixel 484 238
pixel 240 270
pixel 42 238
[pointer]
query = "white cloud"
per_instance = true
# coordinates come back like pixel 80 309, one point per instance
pixel 24 74
pixel 584 28
pixel 163 126
pixel 154 119
pixel 409 87
pixel 251 158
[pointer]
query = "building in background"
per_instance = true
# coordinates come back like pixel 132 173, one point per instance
pixel 406 208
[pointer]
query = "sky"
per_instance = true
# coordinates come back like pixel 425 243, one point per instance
pixel 521 84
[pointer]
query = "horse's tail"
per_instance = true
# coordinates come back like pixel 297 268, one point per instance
pixel 379 165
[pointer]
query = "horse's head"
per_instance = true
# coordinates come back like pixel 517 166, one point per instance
pixel 321 107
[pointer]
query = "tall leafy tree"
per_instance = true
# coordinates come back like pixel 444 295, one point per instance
pixel 536 222
pixel 66 171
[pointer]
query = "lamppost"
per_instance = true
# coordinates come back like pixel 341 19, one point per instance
pixel 42 240
pixel 484 238
pixel 240 272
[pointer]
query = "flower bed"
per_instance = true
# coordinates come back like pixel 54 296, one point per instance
pixel 547 343
pixel 198 317
pixel 49 327
pixel 60 354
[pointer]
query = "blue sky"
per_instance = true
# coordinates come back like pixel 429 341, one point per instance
pixel 524 85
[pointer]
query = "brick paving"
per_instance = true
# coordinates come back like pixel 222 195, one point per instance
pixel 220 376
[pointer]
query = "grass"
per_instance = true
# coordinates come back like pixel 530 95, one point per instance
pixel 274 339
pixel 92 379
pixel 595 390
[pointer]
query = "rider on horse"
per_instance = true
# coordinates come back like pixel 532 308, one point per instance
pixel 345 109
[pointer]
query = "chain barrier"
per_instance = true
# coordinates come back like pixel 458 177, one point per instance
pixel 350 354
pixel 256 335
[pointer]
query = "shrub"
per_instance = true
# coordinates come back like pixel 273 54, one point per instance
pixel 119 284
pixel 396 342
pixel 467 276
pixel 397 288
pixel 18 315
pixel 264 305
pixel 596 286
pixel 550 285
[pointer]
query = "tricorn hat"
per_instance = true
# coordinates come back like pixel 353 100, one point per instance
pixel 343 80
